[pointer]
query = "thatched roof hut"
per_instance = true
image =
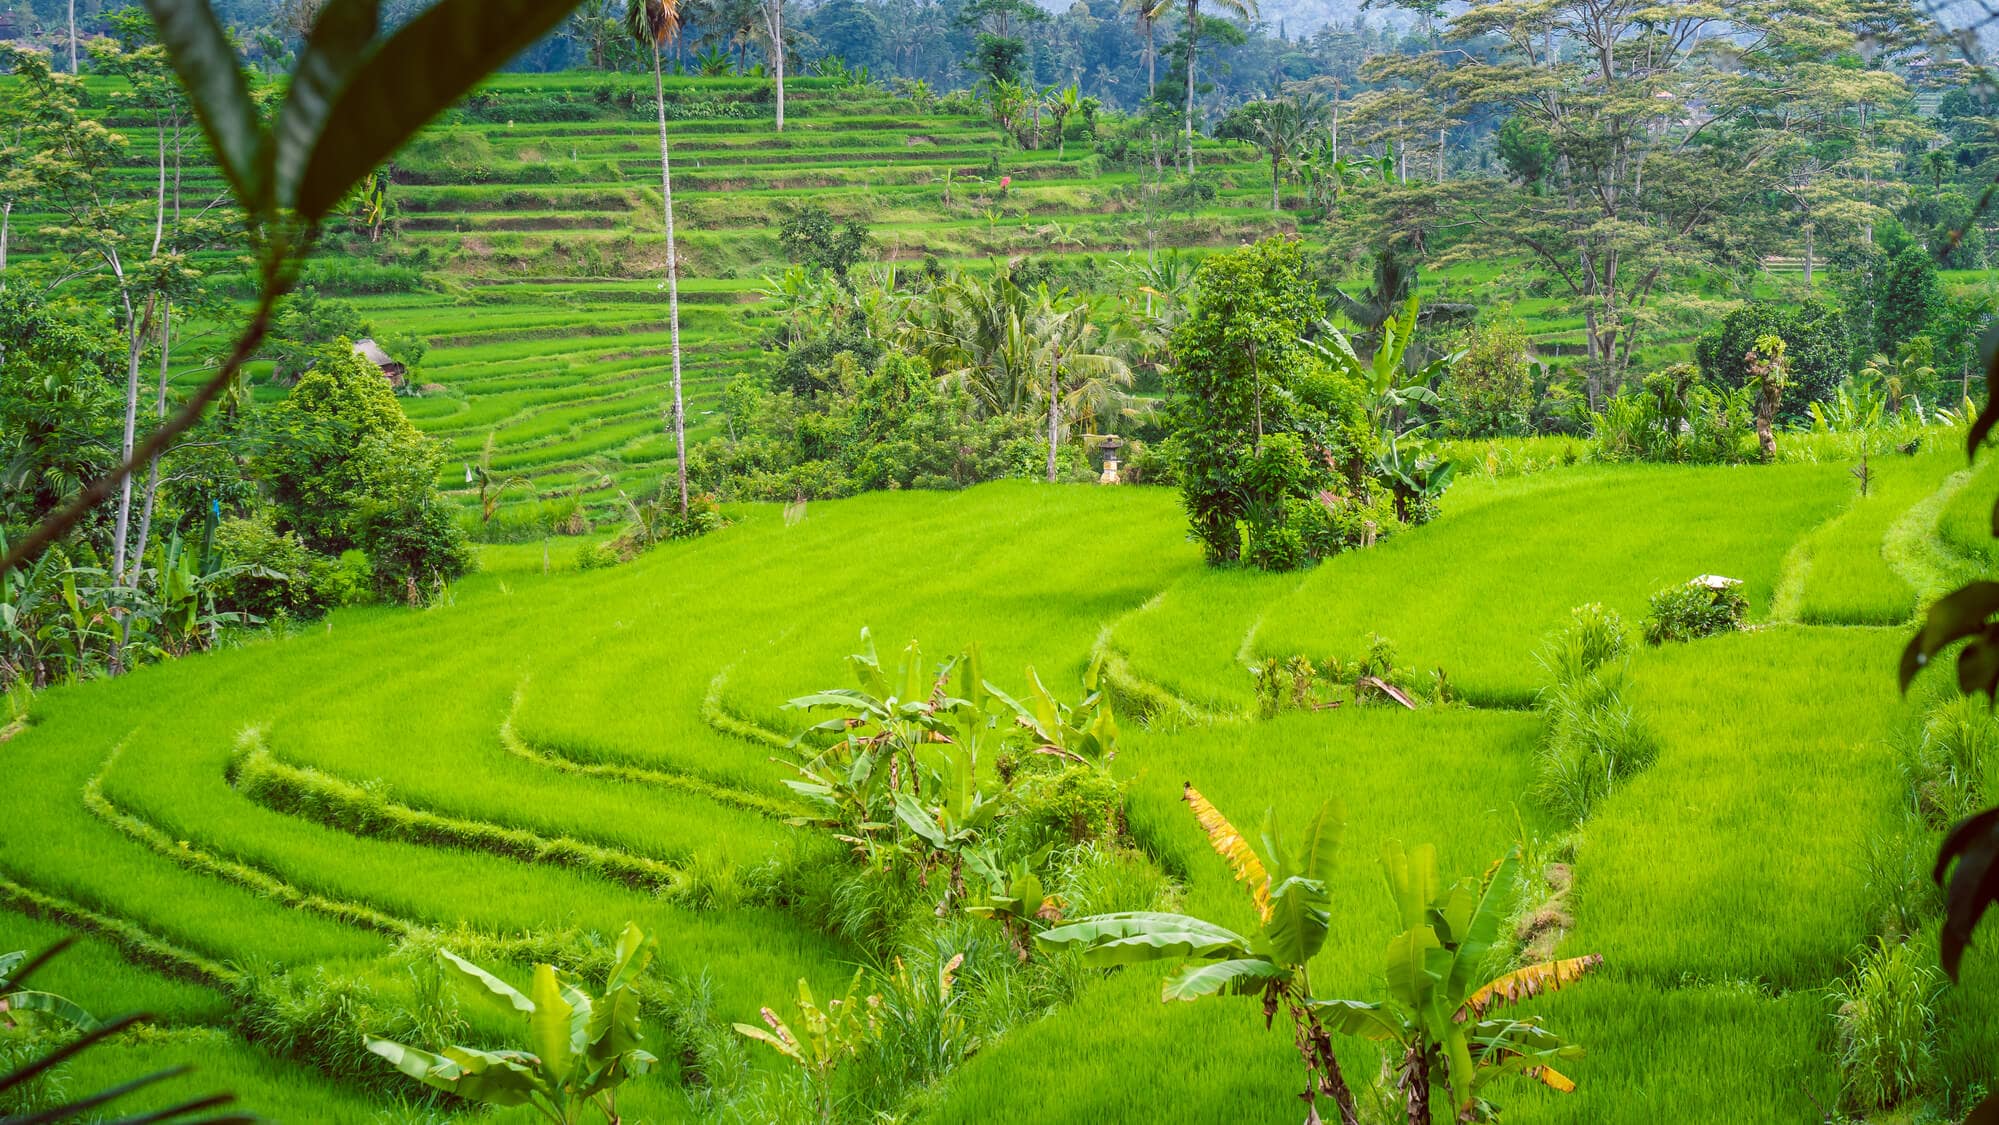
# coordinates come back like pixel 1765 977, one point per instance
pixel 369 350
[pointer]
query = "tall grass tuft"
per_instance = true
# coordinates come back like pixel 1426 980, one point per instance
pixel 1886 1018
pixel 1949 764
pixel 1592 738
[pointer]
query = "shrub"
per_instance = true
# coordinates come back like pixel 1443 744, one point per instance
pixel 1594 637
pixel 286 579
pixel 1073 805
pixel 1592 739
pixel 1696 609
pixel 1886 1019
pixel 1490 390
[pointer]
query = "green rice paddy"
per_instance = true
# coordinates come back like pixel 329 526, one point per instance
pixel 600 708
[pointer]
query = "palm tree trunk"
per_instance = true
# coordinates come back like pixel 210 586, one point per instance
pixel 1151 61
pixel 1275 203
pixel 159 410
pixel 774 23
pixel 1193 34
pixel 1808 255
pixel 1054 412
pixel 123 523
pixel 672 281
pixel 72 36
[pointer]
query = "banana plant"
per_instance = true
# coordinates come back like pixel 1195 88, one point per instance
pixel 1440 1007
pixel 583 1047
pixel 1086 732
pixel 1412 472
pixel 825 1035
pixel 1287 888
pixel 1015 897
pixel 948 813
pixel 17 1000
pixel 856 782
pixel 1391 387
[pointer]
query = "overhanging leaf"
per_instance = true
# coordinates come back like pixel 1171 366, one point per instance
pixel 1974 884
pixel 206 63
pixel 416 74
pixel 1962 613
pixel 340 38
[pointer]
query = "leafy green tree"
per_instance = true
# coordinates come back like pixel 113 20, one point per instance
pixel 1637 199
pixel 1490 389
pixel 304 325
pixel 346 469
pixel 1231 356
pixel 1817 357
pixel 1287 888
pixel 807 235
pixel 999 51
pixel 364 93
pixel 57 410
pixel 1526 151
pixel 1907 294
pixel 582 1047
pixel 655 25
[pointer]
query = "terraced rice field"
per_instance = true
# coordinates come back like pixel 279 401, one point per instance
pixel 529 253
pixel 578 739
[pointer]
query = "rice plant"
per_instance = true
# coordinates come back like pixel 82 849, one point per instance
pixel 1885 1013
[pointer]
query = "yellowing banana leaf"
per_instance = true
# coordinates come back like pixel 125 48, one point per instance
pixel 1233 847
pixel 1521 984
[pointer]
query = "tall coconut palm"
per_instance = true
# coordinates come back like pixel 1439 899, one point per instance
pixel 655 25
pixel 1147 13
pixel 1082 378
pixel 1246 9
pixel 773 15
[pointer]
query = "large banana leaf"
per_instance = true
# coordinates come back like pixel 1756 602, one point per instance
pixel 47 1004
pixel 478 1075
pixel 1137 936
pixel 1413 882
pixel 1480 933
pixel 491 988
pixel 553 1031
pixel 1299 916
pixel 1240 977
pixel 1369 1021
pixel 634 952
pixel 1411 980
pixel 1322 839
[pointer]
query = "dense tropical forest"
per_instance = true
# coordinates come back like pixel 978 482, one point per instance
pixel 965 560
